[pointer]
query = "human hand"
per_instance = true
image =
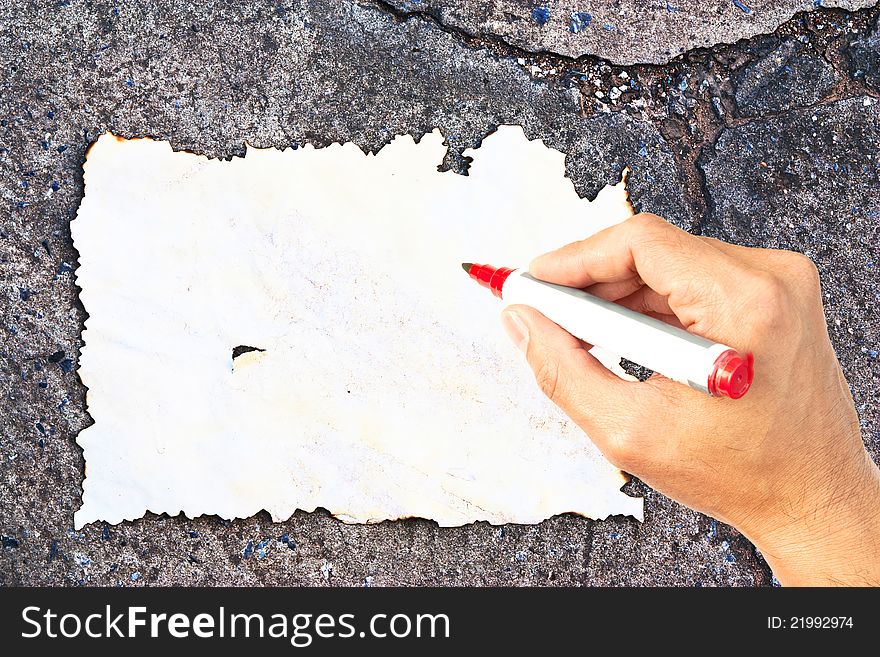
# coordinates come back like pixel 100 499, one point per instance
pixel 785 464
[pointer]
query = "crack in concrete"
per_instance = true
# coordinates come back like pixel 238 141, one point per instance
pixel 463 27
pixel 588 554
pixel 692 134
pixel 56 467
pixel 480 39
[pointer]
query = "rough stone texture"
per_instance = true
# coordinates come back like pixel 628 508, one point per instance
pixel 210 78
pixel 809 181
pixel 864 58
pixel 790 76
pixel 623 32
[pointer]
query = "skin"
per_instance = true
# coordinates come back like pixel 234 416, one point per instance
pixel 785 464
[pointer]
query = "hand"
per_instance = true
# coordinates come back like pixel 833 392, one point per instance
pixel 785 464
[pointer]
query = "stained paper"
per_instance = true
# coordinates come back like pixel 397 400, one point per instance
pixel 371 376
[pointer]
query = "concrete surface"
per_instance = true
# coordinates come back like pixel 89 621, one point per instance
pixel 210 78
pixel 790 76
pixel 620 31
pixel 864 58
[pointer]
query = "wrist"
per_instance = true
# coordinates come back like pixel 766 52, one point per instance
pixel 826 531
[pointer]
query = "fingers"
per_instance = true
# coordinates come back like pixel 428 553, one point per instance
pixel 643 246
pixel 615 290
pixel 693 275
pixel 633 294
pixel 647 301
pixel 595 398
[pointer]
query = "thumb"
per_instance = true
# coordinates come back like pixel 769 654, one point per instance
pixel 599 401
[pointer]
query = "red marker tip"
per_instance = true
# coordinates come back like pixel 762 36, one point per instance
pixel 488 276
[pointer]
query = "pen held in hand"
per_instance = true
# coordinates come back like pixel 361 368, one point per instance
pixel 712 368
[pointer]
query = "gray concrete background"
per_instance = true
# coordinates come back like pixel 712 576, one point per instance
pixel 771 141
pixel 620 31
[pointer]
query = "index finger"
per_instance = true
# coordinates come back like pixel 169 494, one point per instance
pixel 673 263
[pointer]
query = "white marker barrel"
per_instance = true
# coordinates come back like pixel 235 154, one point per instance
pixel 707 366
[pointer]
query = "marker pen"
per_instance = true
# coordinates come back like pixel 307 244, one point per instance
pixel 712 368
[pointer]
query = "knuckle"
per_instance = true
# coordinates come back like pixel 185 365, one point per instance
pixel 623 443
pixel 619 453
pixel 646 223
pixel 770 302
pixel 622 451
pixel 769 291
pixel 658 235
pixel 547 378
pixel 692 291
pixel 802 270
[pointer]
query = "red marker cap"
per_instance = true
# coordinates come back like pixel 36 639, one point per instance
pixel 731 375
pixel 489 276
